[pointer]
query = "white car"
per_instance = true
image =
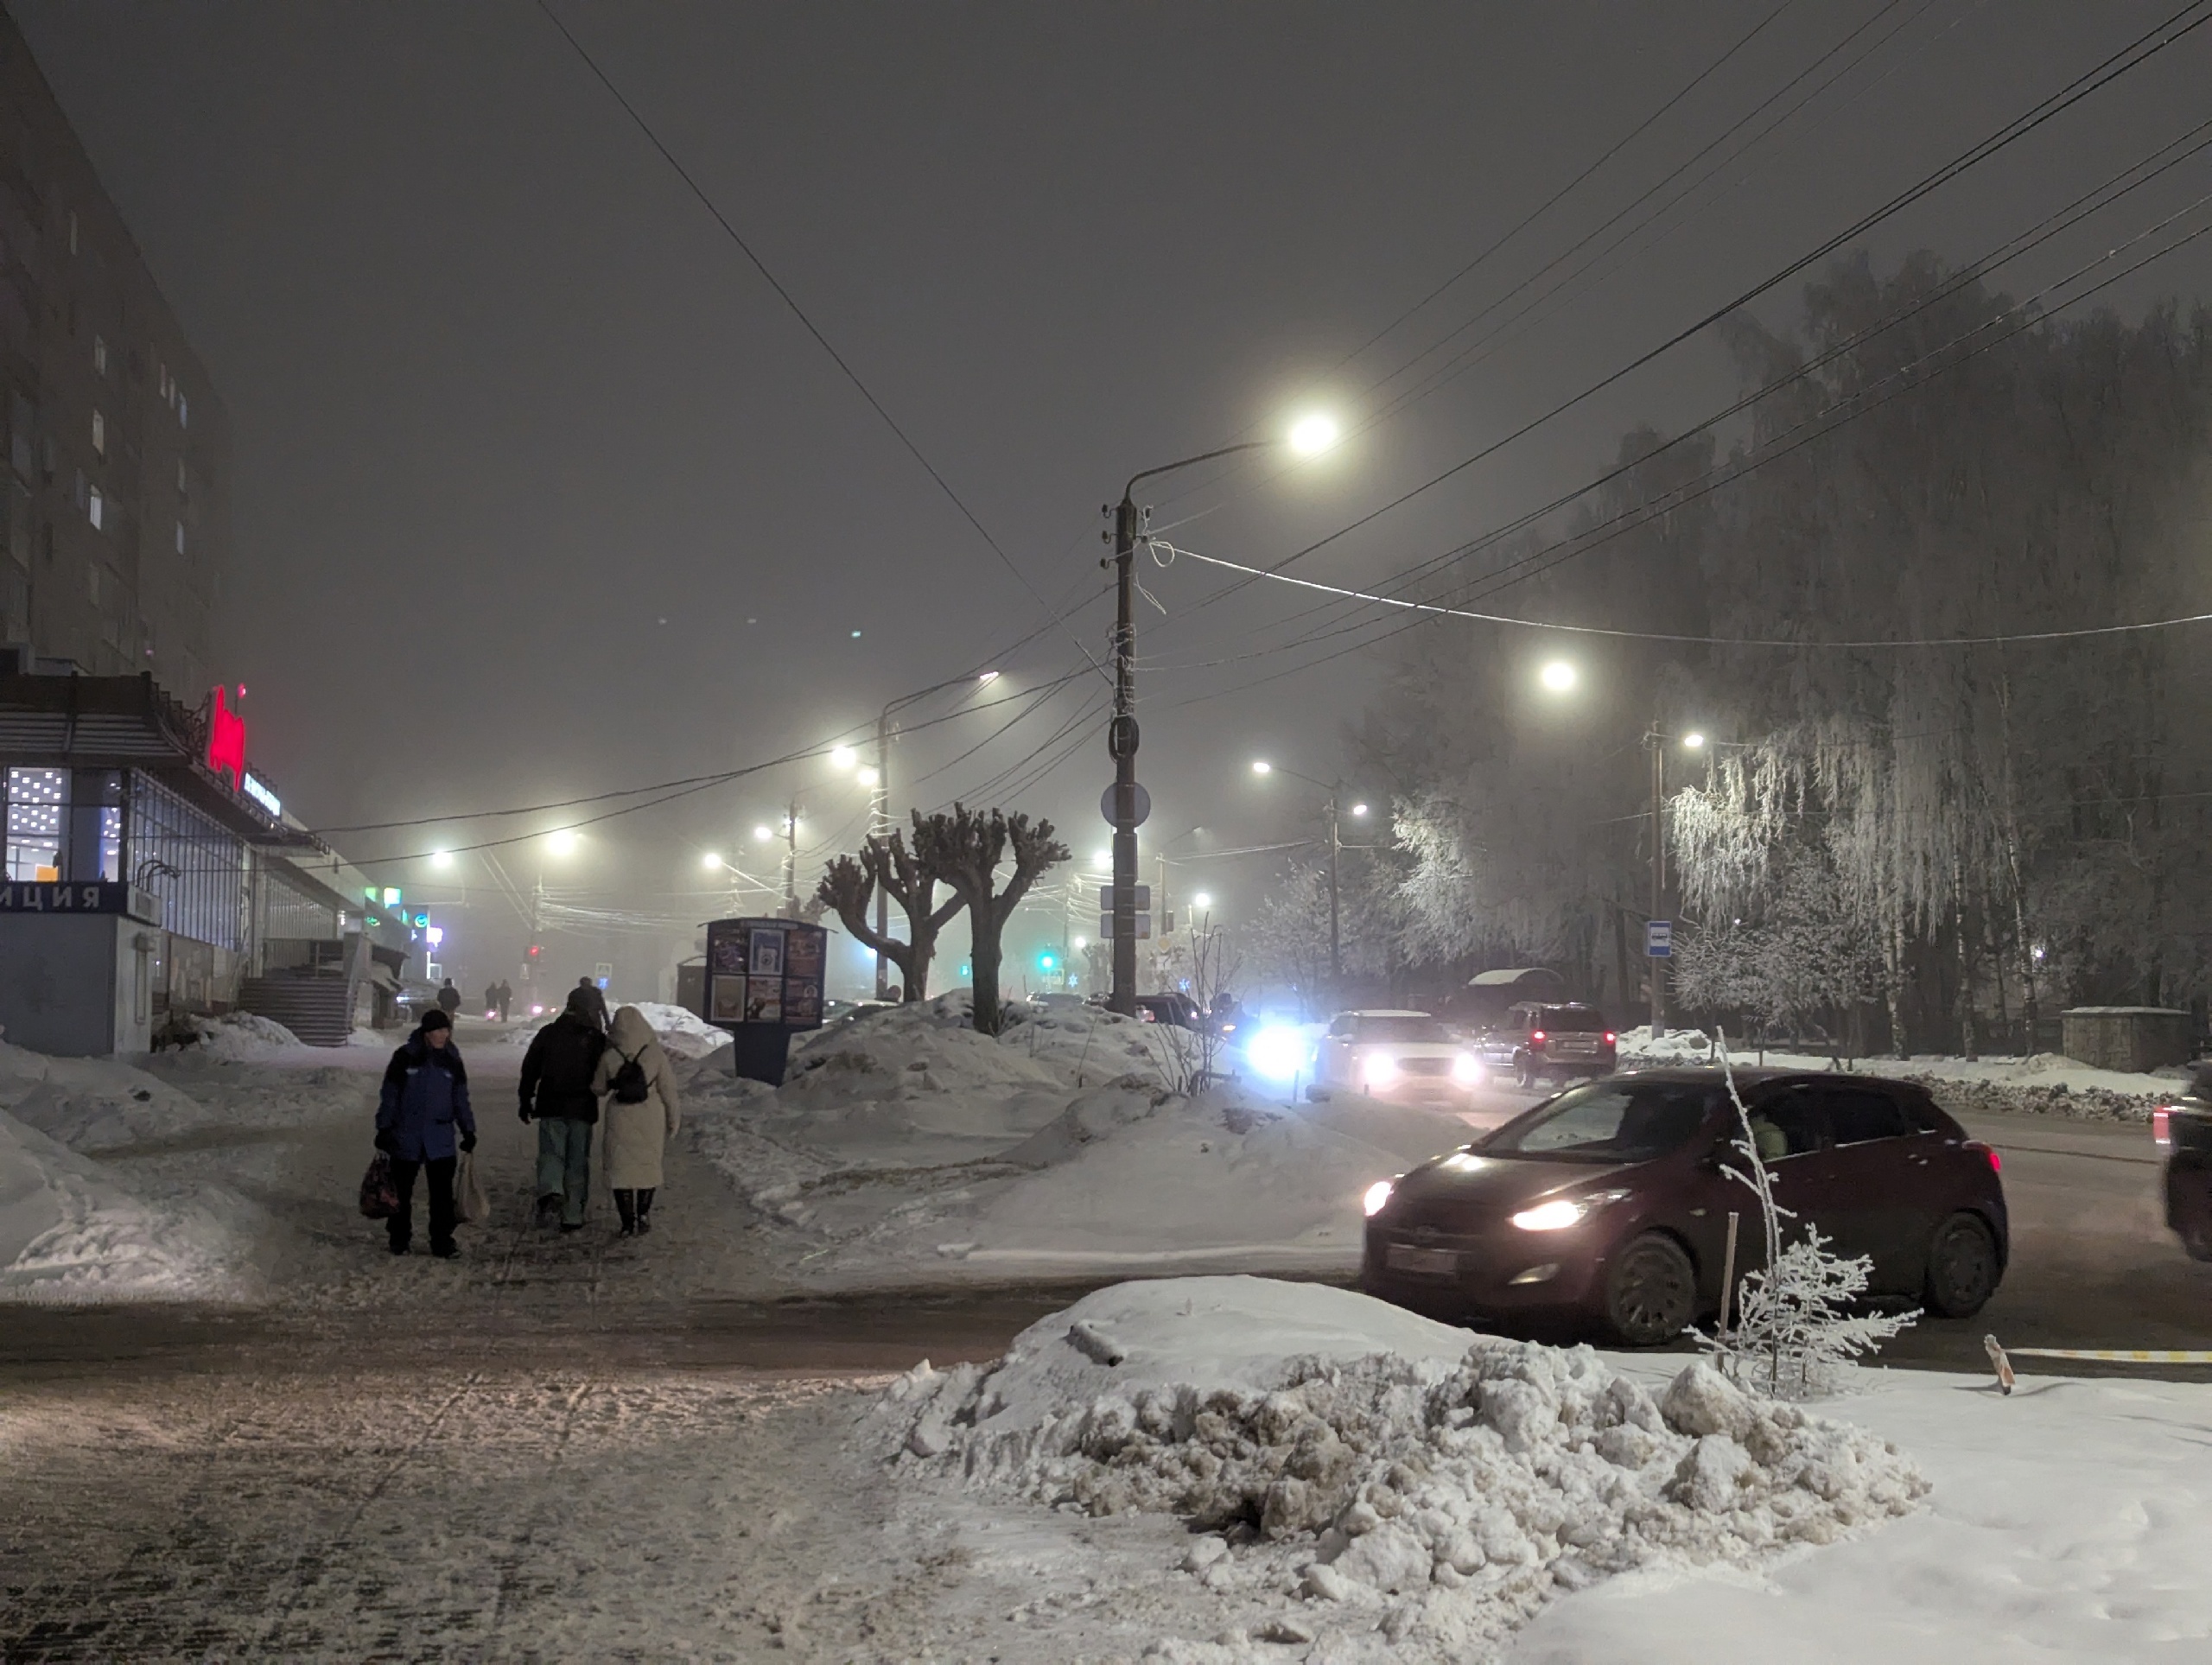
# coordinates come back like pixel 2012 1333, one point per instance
pixel 1408 1057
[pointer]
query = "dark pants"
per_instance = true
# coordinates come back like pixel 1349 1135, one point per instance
pixel 402 1223
pixel 636 1207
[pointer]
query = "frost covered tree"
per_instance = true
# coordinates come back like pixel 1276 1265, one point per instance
pixel 965 850
pixel 849 885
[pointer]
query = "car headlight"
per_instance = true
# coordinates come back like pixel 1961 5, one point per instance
pixel 1466 1071
pixel 1564 1211
pixel 1277 1054
pixel 1377 1194
pixel 1380 1071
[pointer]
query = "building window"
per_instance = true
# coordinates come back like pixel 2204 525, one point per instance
pixel 38 806
pixel 196 869
pixel 100 434
pixel 100 355
pixel 95 506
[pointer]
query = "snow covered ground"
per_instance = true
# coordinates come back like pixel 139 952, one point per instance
pixel 904 1147
pixel 1541 1507
pixel 2041 1084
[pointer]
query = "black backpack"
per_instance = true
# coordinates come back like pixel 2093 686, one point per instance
pixel 630 1084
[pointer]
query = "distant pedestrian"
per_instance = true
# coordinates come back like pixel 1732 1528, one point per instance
pixel 490 999
pixel 556 1089
pixel 596 997
pixel 448 998
pixel 425 1097
pixel 641 1116
pixel 506 998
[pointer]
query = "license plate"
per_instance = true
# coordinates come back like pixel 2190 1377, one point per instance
pixel 1430 1262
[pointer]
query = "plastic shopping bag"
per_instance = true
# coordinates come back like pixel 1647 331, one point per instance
pixel 380 1195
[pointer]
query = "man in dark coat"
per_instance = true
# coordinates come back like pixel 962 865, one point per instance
pixel 425 1097
pixel 556 1090
pixel 596 998
pixel 504 996
pixel 448 998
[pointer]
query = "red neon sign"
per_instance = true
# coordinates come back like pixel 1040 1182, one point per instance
pixel 226 741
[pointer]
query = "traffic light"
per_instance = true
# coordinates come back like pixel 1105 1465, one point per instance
pixel 1047 962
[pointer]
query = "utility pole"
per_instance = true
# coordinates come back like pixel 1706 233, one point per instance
pixel 1336 946
pixel 1122 746
pixel 791 862
pixel 880 825
pixel 1657 965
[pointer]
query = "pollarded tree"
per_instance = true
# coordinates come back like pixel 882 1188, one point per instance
pixel 965 850
pixel 849 885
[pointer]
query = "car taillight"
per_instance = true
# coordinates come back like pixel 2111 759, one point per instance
pixel 1996 1162
pixel 1537 1038
pixel 1611 1038
pixel 2162 1126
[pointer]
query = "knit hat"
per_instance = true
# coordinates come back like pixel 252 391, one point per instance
pixel 434 1018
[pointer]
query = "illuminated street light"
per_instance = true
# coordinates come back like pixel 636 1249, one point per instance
pixel 1359 809
pixel 710 861
pixel 563 843
pixel 1202 901
pixel 1693 741
pixel 1102 860
pixel 762 834
pixel 1081 942
pixel 844 758
pixel 441 859
pixel 867 776
pixel 1558 676
pixel 988 676
pixel 1261 766
pixel 1314 434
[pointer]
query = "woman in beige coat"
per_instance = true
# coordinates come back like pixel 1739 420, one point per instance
pixel 637 1129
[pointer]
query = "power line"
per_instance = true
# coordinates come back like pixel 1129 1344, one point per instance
pixel 2132 56
pixel 809 325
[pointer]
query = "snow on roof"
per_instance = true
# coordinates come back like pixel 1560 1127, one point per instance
pixel 1507 979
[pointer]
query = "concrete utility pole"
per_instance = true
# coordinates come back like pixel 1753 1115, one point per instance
pixel 878 826
pixel 791 862
pixel 1122 746
pixel 1658 965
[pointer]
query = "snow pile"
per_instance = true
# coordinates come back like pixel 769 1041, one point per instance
pixel 681 1032
pixel 1688 1046
pixel 1440 1496
pixel 71 1230
pixel 93 1104
pixel 235 1037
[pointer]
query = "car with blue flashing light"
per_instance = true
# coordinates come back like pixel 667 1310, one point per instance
pixel 1407 1058
pixel 1607 1205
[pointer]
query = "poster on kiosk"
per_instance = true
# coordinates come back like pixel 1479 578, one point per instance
pixel 764 980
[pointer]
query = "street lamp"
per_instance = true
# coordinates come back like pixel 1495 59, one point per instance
pixel 1309 435
pixel 762 835
pixel 562 842
pixel 710 861
pixel 1693 741
pixel 1558 677
pixel 1261 766
pixel 1202 901
pixel 440 859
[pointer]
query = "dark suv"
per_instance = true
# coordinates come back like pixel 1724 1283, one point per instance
pixel 2184 1130
pixel 1559 1039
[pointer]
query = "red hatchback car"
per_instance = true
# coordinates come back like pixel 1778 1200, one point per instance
pixel 1607 1204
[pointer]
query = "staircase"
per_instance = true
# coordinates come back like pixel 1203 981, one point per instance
pixel 319 1010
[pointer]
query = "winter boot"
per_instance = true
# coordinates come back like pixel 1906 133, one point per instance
pixel 549 1210
pixel 645 1210
pixel 625 1204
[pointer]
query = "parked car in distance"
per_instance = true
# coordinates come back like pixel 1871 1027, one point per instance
pixel 2182 1130
pixel 1180 1010
pixel 1406 1057
pixel 1559 1039
pixel 1606 1205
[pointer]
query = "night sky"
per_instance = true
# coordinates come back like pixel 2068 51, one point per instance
pixel 540 490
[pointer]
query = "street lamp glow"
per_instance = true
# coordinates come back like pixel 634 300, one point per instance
pixel 563 843
pixel 1314 434
pixel 1359 809
pixel 1558 676
pixel 1261 766
pixel 1081 942
pixel 762 835
pixel 987 677
pixel 1102 860
pixel 1202 901
pixel 842 757
pixel 867 776
pixel 710 861
pixel 441 858
pixel 1693 741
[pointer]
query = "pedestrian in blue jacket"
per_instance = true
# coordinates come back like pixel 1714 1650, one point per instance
pixel 425 1097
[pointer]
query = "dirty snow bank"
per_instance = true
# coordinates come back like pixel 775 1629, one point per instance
pixel 1419 1497
pixel 72 1230
pixel 2045 1084
pixel 93 1104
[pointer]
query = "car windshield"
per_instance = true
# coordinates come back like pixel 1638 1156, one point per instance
pixel 1570 1019
pixel 1401 1029
pixel 1607 1121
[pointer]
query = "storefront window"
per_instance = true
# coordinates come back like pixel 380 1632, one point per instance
pixel 196 869
pixel 38 808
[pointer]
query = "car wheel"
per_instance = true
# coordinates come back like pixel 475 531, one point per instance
pixel 1961 1267
pixel 1651 1292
